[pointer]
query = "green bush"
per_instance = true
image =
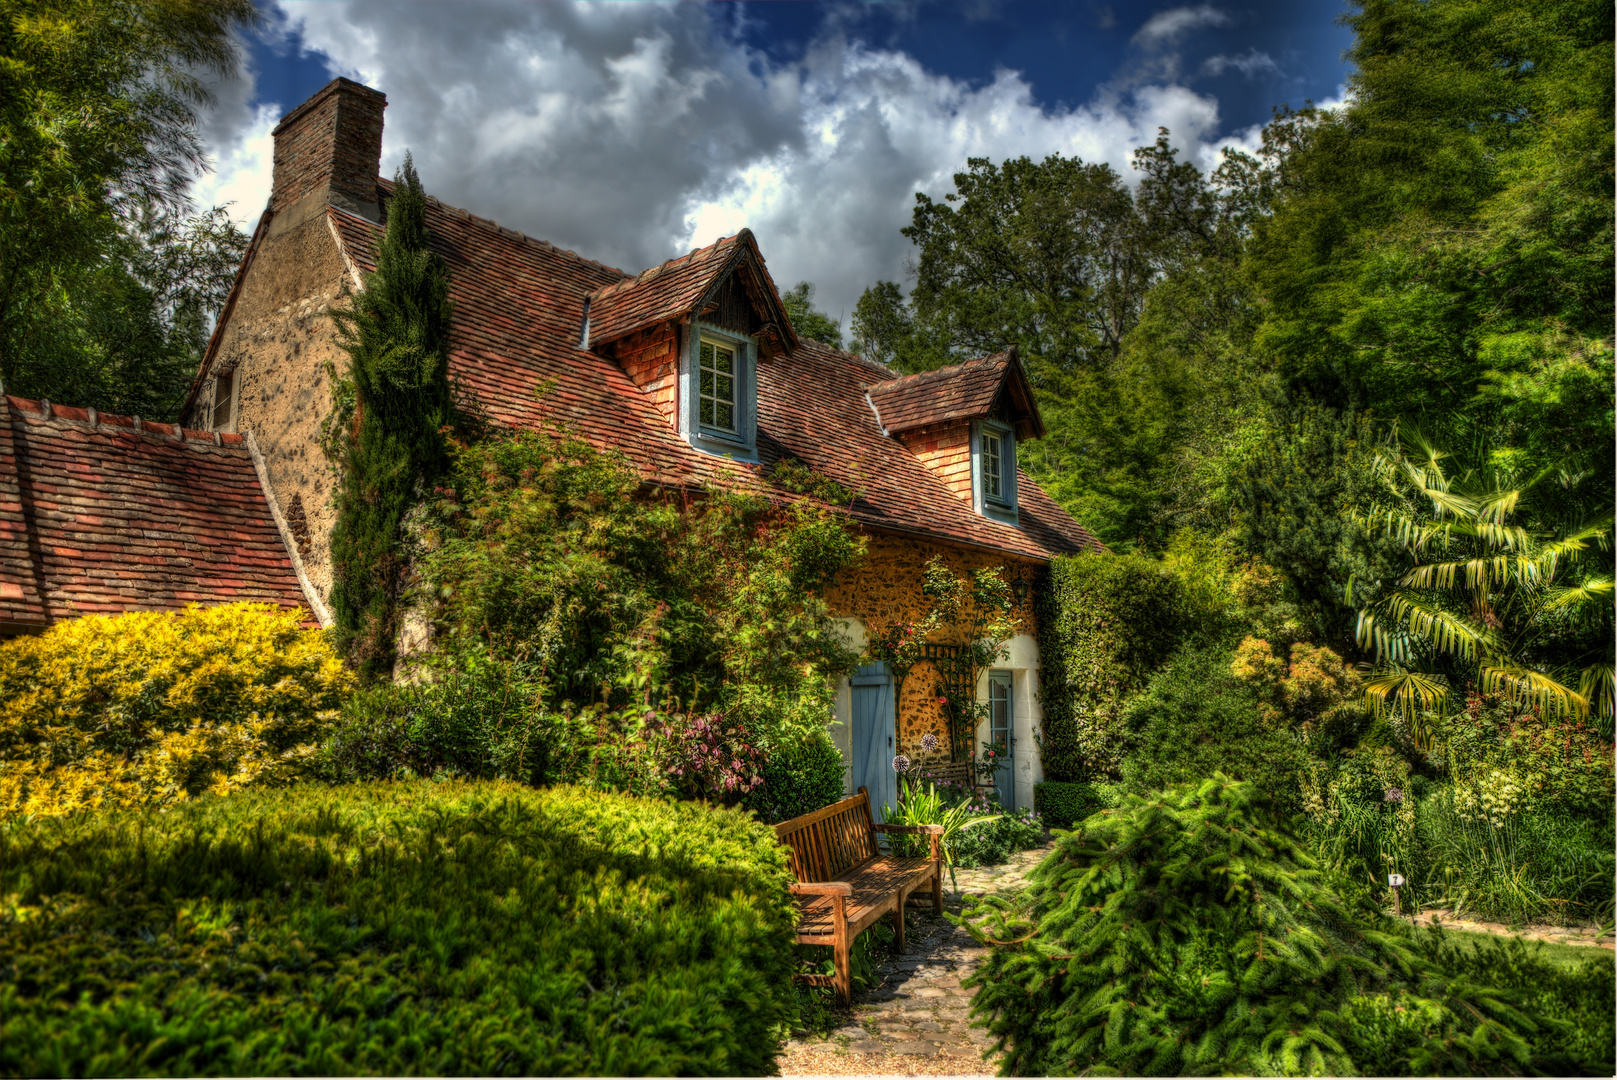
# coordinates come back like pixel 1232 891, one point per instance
pixel 457 928
pixel 1191 933
pixel 475 722
pixel 994 842
pixel 1197 718
pixel 157 707
pixel 1062 804
pixel 1583 995
pixel 1105 621
pixel 798 778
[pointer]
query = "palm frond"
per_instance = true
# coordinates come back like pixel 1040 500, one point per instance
pixel 1413 693
pixel 1443 630
pixel 1594 590
pixel 1596 687
pixel 1517 683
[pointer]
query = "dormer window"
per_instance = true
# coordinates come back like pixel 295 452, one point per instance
pixel 717 386
pixel 993 467
pixel 993 475
pixel 719 392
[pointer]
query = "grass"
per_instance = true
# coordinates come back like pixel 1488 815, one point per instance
pixel 1566 957
pixel 1535 866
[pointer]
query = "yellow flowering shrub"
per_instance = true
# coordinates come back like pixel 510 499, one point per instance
pixel 160 707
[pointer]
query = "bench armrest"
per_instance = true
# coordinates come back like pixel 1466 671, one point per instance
pixel 936 830
pixel 821 888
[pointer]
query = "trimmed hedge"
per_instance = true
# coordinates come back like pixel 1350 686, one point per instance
pixel 798 779
pixel 158 707
pixel 1105 621
pixel 458 928
pixel 1062 804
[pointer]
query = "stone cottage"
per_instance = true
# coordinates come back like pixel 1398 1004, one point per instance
pixel 691 368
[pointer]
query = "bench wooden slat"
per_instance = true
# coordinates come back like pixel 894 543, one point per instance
pixel 838 843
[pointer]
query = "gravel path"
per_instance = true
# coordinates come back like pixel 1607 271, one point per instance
pixel 916 1019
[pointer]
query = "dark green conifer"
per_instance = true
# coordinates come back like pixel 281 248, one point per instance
pixel 391 414
pixel 1188 933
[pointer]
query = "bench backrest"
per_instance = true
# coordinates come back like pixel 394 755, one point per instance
pixel 827 841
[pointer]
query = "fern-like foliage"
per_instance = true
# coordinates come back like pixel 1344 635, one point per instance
pixel 1190 933
pixel 1520 612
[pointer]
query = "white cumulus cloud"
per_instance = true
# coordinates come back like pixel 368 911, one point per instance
pixel 633 132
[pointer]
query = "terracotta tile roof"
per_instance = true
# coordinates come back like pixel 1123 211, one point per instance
pixel 514 344
pixel 664 292
pixel 965 391
pixel 99 516
pixel 812 406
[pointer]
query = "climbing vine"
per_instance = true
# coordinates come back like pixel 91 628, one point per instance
pixel 385 433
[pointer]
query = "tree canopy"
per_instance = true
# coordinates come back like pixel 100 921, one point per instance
pixel 106 281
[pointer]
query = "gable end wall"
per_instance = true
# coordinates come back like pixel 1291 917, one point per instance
pixel 279 342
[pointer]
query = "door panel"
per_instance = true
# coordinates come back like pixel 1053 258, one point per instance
pixel 873 751
pixel 1001 720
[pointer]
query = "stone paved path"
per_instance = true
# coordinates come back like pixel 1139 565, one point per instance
pixel 916 1019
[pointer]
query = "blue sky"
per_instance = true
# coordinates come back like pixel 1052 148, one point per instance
pixel 631 132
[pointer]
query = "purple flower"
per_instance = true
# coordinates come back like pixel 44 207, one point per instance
pixel 929 743
pixel 901 763
pixel 1393 794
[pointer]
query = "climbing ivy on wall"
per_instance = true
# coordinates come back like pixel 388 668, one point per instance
pixel 1104 621
pixel 385 434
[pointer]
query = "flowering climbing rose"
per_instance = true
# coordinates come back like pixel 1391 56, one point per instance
pixel 901 763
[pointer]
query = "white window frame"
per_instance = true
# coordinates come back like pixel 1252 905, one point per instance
pixel 1003 506
pixel 741 444
pixel 710 344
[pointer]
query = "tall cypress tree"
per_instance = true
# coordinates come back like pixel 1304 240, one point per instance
pixel 395 333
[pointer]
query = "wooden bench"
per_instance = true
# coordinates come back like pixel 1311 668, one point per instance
pixel 845 884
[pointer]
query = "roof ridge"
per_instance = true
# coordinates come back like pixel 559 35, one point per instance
pixel 651 273
pixel 931 374
pixel 508 233
pixel 94 419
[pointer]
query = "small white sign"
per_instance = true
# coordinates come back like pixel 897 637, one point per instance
pixel 1395 880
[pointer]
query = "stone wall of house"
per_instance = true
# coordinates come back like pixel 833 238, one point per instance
pixel 886 588
pixel 279 342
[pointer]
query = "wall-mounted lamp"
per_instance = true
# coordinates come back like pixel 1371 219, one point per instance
pixel 1020 587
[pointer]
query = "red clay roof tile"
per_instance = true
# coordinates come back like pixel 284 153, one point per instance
pixel 519 307
pixel 95 517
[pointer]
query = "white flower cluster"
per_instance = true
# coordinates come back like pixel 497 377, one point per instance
pixel 1492 797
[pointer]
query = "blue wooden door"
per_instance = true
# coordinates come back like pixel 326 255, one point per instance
pixel 1001 718
pixel 873 751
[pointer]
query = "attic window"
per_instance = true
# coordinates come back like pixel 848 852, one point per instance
pixel 221 412
pixel 718 392
pixel 993 468
pixel 717 387
pixel 993 474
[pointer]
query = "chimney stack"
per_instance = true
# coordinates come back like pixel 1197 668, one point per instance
pixel 328 150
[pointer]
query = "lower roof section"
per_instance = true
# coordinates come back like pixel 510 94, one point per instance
pixel 108 514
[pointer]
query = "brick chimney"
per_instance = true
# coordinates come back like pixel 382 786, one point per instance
pixel 328 150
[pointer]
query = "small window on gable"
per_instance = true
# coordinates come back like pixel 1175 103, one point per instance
pixel 220 410
pixel 717 386
pixel 993 462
